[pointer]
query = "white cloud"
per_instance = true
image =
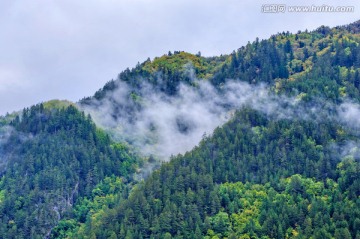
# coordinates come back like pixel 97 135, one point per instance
pixel 168 125
pixel 349 114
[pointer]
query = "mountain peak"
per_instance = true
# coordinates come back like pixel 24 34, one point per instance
pixel 178 61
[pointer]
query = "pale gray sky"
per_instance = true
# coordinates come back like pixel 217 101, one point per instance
pixel 67 49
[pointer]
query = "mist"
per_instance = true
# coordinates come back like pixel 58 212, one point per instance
pixel 161 125
pixel 166 125
pixel 349 114
pixel 5 133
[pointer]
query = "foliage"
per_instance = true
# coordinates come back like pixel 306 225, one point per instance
pixel 54 156
pixel 253 178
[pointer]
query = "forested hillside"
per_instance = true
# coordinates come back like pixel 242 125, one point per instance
pixel 268 136
pixel 321 65
pixel 52 157
pixel 294 183
pixel 299 175
pixel 317 63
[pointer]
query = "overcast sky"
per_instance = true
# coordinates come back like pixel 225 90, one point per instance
pixel 67 49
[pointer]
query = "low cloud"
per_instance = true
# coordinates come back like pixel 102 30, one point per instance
pixel 161 125
pixel 164 125
pixel 5 133
pixel 347 149
pixel 349 114
pixel 168 125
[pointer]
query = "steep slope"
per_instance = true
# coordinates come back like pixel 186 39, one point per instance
pixel 285 166
pixel 52 157
pixel 283 56
pixel 260 175
pixel 310 66
pixel 190 197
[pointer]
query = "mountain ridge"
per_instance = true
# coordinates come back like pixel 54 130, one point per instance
pixel 280 157
pixel 309 165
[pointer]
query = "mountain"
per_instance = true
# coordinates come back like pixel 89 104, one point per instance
pixel 290 58
pixel 268 138
pixel 253 178
pixel 322 65
pixel 301 133
pixel 51 157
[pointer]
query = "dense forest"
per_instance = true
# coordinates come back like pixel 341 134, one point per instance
pixel 322 63
pixel 253 178
pixel 259 175
pixel 53 156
